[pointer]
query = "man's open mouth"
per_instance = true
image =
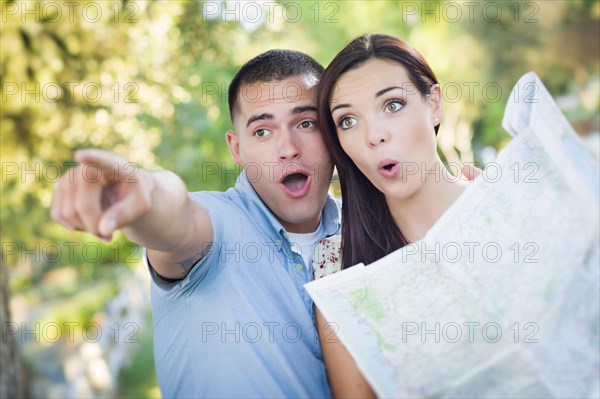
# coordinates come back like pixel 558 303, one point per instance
pixel 296 184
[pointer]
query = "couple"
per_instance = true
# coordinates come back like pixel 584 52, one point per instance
pixel 231 316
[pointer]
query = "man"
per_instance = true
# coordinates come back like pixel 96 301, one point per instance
pixel 230 313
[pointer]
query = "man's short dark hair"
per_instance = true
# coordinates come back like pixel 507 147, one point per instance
pixel 270 66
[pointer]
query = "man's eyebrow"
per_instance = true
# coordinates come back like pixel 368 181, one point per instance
pixel 255 118
pixel 299 110
pixel 383 91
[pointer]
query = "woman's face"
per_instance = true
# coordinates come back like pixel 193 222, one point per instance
pixel 387 127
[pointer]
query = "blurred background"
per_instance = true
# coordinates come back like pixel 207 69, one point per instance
pixel 149 79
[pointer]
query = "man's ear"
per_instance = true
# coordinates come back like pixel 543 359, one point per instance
pixel 234 146
pixel 435 99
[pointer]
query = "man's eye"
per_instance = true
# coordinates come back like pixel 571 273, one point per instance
pixel 394 106
pixel 308 124
pixel 261 132
pixel 347 122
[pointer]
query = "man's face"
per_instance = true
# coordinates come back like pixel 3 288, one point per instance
pixel 278 143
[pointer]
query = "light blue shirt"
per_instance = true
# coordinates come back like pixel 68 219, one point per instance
pixel 241 323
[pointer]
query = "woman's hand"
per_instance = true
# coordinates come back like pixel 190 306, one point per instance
pixel 470 172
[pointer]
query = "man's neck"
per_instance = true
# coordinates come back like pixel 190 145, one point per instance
pixel 310 226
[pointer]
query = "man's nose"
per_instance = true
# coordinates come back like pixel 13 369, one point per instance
pixel 289 148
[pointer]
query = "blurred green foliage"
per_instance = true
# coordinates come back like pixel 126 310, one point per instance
pixel 139 379
pixel 148 79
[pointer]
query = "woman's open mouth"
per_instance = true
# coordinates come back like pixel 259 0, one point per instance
pixel 389 168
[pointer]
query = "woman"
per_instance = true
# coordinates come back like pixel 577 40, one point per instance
pixel 379 108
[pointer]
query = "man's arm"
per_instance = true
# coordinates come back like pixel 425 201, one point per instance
pixel 104 192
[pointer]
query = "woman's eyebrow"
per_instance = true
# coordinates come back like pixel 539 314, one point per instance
pixel 339 106
pixel 383 91
pixel 378 94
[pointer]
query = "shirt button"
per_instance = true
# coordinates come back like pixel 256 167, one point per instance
pixel 278 242
pixel 299 266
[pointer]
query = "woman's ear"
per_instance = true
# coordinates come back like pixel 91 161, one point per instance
pixel 436 102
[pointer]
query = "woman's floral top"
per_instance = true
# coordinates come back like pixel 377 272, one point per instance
pixel 327 257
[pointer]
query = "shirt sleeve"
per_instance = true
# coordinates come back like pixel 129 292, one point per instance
pixel 215 204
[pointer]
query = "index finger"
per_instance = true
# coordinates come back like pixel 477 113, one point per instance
pixel 112 167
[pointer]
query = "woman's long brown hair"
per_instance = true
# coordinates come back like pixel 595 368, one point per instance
pixel 368 228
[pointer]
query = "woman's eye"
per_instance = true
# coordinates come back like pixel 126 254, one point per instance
pixel 347 122
pixel 394 106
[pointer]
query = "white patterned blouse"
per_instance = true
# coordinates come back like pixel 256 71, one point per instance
pixel 327 257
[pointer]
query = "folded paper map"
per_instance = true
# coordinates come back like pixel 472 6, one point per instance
pixel 502 296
